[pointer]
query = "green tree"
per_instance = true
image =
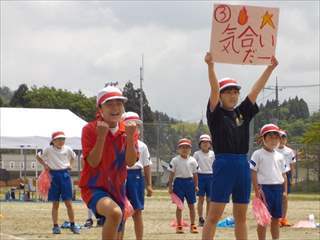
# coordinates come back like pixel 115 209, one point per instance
pixel 312 138
pixel 18 98
pixel 6 95
pixel 312 135
pixel 304 110
pixel 165 136
pixel 133 104
pixel 293 114
pixel 46 97
pixel 201 129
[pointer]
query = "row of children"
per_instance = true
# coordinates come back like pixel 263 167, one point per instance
pixel 270 168
pixel 109 145
pixel 191 175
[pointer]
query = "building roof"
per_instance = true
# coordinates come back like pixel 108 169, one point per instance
pixel 32 127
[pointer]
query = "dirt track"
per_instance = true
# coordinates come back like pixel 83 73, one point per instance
pixel 33 221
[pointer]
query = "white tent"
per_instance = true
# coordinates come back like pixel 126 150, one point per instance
pixel 32 127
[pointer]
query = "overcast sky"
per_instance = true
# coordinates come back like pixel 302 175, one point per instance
pixel 81 45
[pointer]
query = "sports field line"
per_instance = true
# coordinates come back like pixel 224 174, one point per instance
pixel 10 237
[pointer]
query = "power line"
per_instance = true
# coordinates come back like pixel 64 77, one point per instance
pixel 265 97
pixel 292 86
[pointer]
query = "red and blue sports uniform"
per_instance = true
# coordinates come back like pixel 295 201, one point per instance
pixel 108 178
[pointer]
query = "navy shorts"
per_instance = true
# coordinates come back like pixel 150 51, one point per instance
pixel 135 188
pixel 289 179
pixel 273 194
pixel 184 188
pixel 97 194
pixel 231 175
pixel 61 186
pixel 205 184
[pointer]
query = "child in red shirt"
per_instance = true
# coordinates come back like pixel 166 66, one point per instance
pixel 108 147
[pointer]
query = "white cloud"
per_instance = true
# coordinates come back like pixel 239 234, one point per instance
pixel 81 45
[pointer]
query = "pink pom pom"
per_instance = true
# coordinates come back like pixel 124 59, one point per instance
pixel 176 200
pixel 260 212
pixel 44 184
pixel 128 209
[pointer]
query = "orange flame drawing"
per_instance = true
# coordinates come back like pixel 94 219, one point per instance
pixel 243 16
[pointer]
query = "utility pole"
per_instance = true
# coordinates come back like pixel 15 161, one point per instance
pixel 20 168
pixel 158 151
pixel 277 100
pixel 141 97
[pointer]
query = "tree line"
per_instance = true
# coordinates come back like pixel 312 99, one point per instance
pixel 161 132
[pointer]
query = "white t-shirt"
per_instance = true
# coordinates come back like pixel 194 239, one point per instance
pixel 58 158
pixel 288 154
pixel 269 166
pixel 205 161
pixel 183 167
pixel 144 158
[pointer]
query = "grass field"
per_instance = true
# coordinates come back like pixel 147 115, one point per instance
pixel 32 220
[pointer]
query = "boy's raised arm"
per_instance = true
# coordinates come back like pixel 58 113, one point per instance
pixel 261 82
pixel 214 85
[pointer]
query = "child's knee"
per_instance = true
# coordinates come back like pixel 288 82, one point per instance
pixel 213 219
pixel 115 214
pixel 137 213
pixel 191 206
pixel 68 204
pixel 240 218
pixel 178 210
pixel 55 205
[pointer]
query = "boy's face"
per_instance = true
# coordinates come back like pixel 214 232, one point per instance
pixel 58 142
pixel 112 111
pixel 205 146
pixel 229 97
pixel 184 151
pixel 271 140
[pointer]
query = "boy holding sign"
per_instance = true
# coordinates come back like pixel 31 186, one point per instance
pixel 229 126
